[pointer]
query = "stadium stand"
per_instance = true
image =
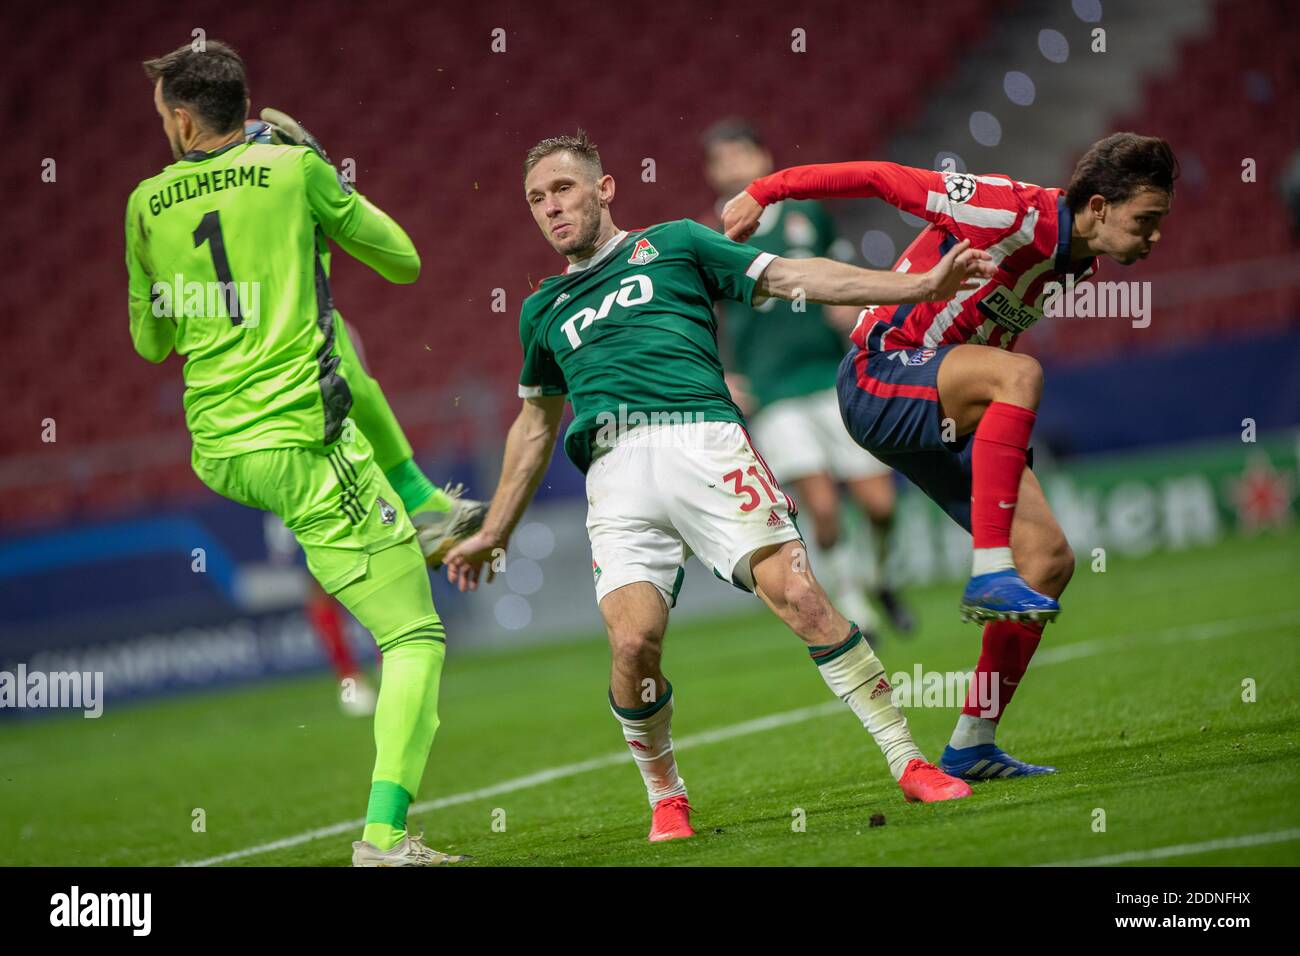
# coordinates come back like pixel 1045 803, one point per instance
pixel 438 136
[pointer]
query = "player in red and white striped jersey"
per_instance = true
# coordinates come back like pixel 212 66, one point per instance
pixel 935 390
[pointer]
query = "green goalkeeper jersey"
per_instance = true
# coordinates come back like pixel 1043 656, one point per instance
pixel 786 350
pixel 228 265
pixel 630 334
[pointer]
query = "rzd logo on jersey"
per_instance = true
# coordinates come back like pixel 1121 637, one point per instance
pixel 632 290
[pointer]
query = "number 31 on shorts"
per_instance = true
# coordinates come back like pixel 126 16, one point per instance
pixel 741 487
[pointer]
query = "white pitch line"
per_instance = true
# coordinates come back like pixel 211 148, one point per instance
pixel 1044 658
pixel 1183 632
pixel 1185 849
pixel 758 725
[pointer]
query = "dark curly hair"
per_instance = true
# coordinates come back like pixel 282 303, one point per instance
pixel 1120 166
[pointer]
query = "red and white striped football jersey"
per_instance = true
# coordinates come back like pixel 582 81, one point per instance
pixel 1025 228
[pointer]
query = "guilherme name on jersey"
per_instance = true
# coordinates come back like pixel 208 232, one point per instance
pixel 210 181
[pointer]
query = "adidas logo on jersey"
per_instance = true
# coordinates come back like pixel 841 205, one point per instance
pixel 774 520
pixel 559 298
pixel 642 253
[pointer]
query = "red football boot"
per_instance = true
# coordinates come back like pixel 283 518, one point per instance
pixel 672 819
pixel 927 783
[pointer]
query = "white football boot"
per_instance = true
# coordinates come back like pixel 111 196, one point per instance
pixel 439 531
pixel 410 852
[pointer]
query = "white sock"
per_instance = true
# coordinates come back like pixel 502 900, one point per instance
pixel 972 732
pixel 855 675
pixel 650 739
pixel 988 560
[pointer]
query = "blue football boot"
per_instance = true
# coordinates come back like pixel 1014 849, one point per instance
pixel 1004 596
pixel 986 762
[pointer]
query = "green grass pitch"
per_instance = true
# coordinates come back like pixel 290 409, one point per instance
pixel 1136 695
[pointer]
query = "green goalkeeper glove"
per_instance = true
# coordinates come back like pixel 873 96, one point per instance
pixel 281 129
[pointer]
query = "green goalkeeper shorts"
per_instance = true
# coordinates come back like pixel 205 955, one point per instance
pixel 335 500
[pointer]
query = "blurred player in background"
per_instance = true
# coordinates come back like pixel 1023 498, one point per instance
pixel 935 390
pixel 629 331
pixel 782 363
pixel 225 269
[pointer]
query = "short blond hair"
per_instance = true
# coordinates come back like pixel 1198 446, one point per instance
pixel 580 145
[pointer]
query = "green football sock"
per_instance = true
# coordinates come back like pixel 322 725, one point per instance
pixel 386 814
pixel 416 491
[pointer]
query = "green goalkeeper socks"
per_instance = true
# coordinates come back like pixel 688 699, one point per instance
pixel 386 814
pixel 416 491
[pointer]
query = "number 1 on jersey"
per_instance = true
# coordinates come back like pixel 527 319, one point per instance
pixel 209 231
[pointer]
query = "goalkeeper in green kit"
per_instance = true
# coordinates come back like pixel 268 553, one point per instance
pixel 228 267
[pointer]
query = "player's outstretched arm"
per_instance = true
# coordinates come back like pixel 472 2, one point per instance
pixel 969 207
pixel 838 283
pixel 528 451
pixel 382 244
pixel 361 229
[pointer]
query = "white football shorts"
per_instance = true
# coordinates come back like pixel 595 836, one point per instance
pixel 663 492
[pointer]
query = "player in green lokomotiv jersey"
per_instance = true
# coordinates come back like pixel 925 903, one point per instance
pixel 224 260
pixel 628 334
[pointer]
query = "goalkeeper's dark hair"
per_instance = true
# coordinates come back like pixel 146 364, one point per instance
pixel 210 83
pixel 1121 165
pixel 733 129
pixel 579 144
